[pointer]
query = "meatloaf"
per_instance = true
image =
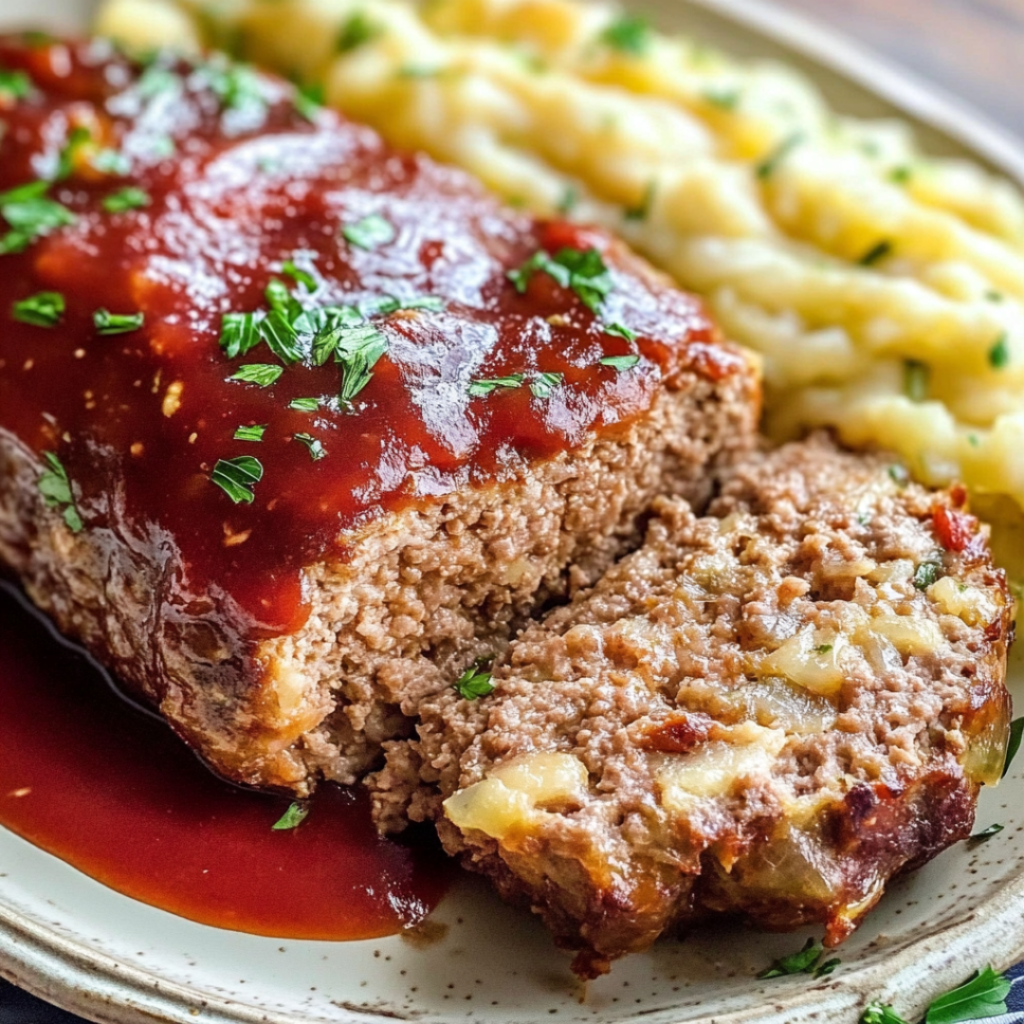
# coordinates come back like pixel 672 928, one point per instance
pixel 768 711
pixel 293 426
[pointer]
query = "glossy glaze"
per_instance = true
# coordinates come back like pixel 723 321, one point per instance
pixel 109 789
pixel 140 419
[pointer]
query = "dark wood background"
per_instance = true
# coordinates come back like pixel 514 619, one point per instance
pixel 974 48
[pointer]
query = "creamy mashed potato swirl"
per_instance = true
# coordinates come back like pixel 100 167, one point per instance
pixel 882 288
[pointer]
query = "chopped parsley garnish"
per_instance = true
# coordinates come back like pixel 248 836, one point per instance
pixel 804 962
pixel 299 276
pixel 994 296
pixel 583 271
pixel 292 818
pixel 877 252
pixel 981 997
pixel 313 446
pixel 898 474
pixel 77 138
pixel 262 374
pixel 30 214
pixel 309 100
pixel 486 385
pixel 823 648
pixel 304 404
pixel 357 359
pixel 237 86
pixel 767 167
pixel 986 834
pixel 724 99
pixel 1013 745
pixel 431 303
pixel 476 681
pixel 251 433
pixel 926 574
pixel 620 363
pixel 419 71
pixel 370 232
pixel 110 161
pixel 330 325
pixel 163 147
pixel 356 30
pixel 55 487
pixel 236 477
pixel 629 34
pixel 999 353
pixel 620 331
pixel 916 377
pixel 239 332
pixel 44 309
pixel 900 175
pixel 643 209
pixel 14 85
pixel 545 384
pixel 106 322
pixel 125 199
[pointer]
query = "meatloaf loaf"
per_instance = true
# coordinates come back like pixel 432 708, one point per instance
pixel 767 711
pixel 294 426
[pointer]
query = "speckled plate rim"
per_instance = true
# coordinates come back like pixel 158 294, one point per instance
pixel 78 978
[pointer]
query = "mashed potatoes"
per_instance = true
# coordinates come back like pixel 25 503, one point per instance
pixel 883 288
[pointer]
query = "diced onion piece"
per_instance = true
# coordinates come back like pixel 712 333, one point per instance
pixel 907 634
pixel 509 798
pixel 971 605
pixel 812 659
pixel 717 766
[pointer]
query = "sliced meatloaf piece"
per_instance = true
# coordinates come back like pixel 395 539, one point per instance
pixel 294 426
pixel 769 710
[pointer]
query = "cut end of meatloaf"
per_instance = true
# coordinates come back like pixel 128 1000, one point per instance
pixel 768 711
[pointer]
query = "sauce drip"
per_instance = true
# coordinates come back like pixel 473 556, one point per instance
pixel 109 789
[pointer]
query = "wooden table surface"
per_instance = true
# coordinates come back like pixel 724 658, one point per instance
pixel 974 48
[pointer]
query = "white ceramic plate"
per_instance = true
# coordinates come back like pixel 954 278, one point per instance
pixel 90 950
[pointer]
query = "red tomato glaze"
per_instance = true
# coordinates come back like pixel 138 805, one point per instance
pixel 109 789
pixel 236 182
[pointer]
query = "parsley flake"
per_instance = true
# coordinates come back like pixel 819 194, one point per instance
pixel 620 363
pixel 916 378
pixel 55 487
pixel 901 175
pixel 619 331
pixel 295 815
pixel 583 271
pixel 30 214
pixel 767 167
pixel 898 474
pixel 78 137
pixel 309 101
pixel 107 323
pixel 299 276
pixel 369 233
pixel 724 99
pixel 313 446
pixel 983 996
pixel 304 404
pixel 926 574
pixel 877 252
pixel 803 962
pixel 125 199
pixel 477 681
pixel 877 1013
pixel 356 30
pixel 261 374
pixel 486 385
pixel 569 201
pixel 358 353
pixel 986 834
pixel 391 304
pixel 642 210
pixel 237 477
pixel 254 433
pixel 44 309
pixel 823 648
pixel 239 332
pixel 545 384
pixel 1013 744
pixel 14 85
pixel 999 353
pixel 629 34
